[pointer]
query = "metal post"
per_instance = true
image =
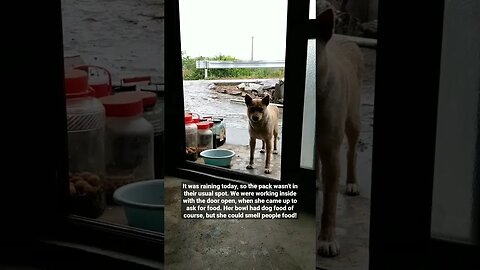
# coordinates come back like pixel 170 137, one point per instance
pixel 206 69
pixel 251 58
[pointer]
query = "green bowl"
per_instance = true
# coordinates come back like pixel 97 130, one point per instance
pixel 143 204
pixel 217 157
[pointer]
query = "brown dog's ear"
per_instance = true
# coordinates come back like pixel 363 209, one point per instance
pixel 248 99
pixel 266 100
pixel 325 22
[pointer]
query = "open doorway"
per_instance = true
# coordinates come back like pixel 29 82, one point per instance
pixel 231 49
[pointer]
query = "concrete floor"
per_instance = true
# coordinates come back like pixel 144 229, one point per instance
pixel 242 158
pixel 235 244
pixel 353 225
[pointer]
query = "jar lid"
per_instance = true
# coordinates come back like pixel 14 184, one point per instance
pixel 216 120
pixel 122 105
pixel 196 118
pixel 148 98
pixel 210 124
pixel 188 118
pixel 76 83
pixel 203 125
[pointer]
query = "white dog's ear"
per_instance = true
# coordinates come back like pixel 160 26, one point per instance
pixel 266 100
pixel 248 99
pixel 325 23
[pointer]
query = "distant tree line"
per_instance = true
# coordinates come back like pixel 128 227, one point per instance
pixel 190 72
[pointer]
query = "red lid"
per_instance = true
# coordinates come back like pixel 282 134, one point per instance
pixel 203 125
pixel 188 118
pixel 125 105
pixel 195 117
pixel 148 98
pixel 76 83
pixel 211 124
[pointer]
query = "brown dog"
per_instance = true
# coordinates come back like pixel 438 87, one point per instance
pixel 339 67
pixel 263 125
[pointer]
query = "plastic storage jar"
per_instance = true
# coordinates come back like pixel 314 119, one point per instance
pixel 129 142
pixel 153 109
pixel 205 136
pixel 190 138
pixel 86 138
pixel 158 122
pixel 152 112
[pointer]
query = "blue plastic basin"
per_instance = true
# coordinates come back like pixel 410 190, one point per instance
pixel 217 157
pixel 143 203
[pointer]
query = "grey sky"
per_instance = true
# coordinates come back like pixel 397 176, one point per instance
pixel 212 27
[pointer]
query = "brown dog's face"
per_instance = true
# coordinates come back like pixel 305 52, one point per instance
pixel 256 107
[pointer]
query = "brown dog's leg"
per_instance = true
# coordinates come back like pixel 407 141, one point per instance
pixel 329 157
pixel 263 147
pixel 268 142
pixel 253 141
pixel 275 136
pixel 352 131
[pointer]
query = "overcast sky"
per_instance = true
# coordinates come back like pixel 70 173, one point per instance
pixel 212 27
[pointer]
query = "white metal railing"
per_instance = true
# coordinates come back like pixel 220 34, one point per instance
pixel 206 64
pixel 240 64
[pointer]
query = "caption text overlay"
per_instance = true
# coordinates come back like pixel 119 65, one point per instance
pixel 239 201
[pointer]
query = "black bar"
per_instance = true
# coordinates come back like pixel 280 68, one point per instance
pixel 174 105
pixel 407 83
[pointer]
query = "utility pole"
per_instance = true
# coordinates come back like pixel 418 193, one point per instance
pixel 251 58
